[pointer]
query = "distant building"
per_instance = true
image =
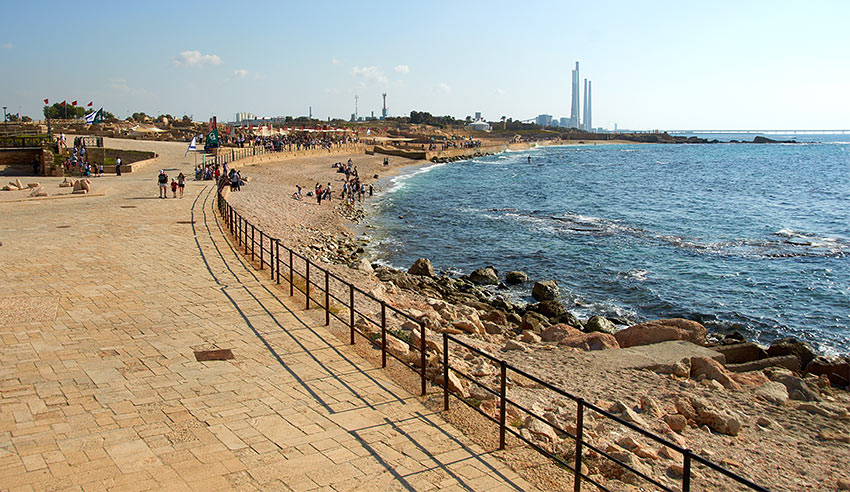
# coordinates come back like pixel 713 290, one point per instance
pixel 477 115
pixel 564 122
pixel 544 120
pixel 479 125
pixel 245 116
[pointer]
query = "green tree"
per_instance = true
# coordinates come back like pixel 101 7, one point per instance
pixel 57 111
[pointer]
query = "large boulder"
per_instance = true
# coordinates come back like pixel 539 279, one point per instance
pixel 662 330
pixel 556 333
pixel 589 341
pixel 790 362
pixel 550 308
pixel 516 277
pixel 792 346
pixel 711 369
pixel 740 353
pixel 798 389
pixel 422 267
pixel 600 324
pixel 545 290
pixel 837 370
pixel 484 276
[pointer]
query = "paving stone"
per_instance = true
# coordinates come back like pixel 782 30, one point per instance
pixel 101 389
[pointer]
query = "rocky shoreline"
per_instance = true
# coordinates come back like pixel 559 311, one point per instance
pixel 731 401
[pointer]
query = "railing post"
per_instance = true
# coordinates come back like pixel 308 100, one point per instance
pixel 307 277
pixel 423 354
pixel 277 259
pixel 502 403
pixel 327 299
pixel 253 230
pixel 686 471
pixel 351 312
pixel 261 249
pixel 445 372
pixel 291 279
pixel 579 438
pixel 383 334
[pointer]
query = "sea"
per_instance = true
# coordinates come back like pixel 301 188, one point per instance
pixel 746 237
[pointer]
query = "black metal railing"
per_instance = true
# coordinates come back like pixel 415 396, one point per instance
pixel 318 285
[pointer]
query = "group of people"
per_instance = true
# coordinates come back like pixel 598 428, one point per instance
pixel 179 183
pixel 206 172
pixel 352 187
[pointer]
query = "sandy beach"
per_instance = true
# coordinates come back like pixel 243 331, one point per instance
pixel 783 443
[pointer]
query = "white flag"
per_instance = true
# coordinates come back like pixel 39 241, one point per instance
pixel 191 147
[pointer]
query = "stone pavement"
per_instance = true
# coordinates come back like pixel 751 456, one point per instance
pixel 103 301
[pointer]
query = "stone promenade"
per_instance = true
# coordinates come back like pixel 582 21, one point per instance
pixel 103 300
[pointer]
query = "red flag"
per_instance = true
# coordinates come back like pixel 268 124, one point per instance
pixel 90 103
pixel 63 103
pixel 73 103
pixel 45 101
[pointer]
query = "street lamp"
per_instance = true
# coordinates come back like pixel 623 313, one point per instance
pixel 5 125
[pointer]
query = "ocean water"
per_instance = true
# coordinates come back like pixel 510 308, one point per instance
pixel 737 236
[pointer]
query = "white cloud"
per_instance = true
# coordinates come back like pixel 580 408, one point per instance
pixel 334 61
pixel 194 58
pixel 500 92
pixel 120 85
pixel 444 87
pixel 402 68
pixel 7 46
pixel 370 74
pixel 240 74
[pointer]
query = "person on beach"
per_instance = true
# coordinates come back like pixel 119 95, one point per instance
pixel 297 195
pixel 319 195
pixel 181 183
pixel 100 169
pixel 173 188
pixel 163 184
pixel 118 166
pixel 328 192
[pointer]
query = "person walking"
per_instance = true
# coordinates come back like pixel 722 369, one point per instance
pixel 118 166
pixel 173 188
pixel 163 184
pixel 181 183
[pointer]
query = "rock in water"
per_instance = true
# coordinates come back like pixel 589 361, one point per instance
pixel 422 267
pixel 516 277
pixel 545 290
pixel 600 324
pixel 662 330
pixel 484 276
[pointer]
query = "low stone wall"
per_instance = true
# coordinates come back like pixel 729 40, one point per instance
pixel 280 156
pixel 18 162
pixel 130 159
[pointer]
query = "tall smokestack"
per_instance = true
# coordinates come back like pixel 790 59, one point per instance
pixel 575 107
pixel 589 117
pixel 584 105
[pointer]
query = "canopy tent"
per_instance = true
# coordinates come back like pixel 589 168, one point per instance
pixel 139 131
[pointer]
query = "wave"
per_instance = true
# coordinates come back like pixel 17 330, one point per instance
pixel 397 183
pixel 787 243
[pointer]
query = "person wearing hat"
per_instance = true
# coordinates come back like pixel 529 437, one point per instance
pixel 163 184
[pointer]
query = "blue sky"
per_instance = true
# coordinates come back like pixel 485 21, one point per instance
pixel 667 65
